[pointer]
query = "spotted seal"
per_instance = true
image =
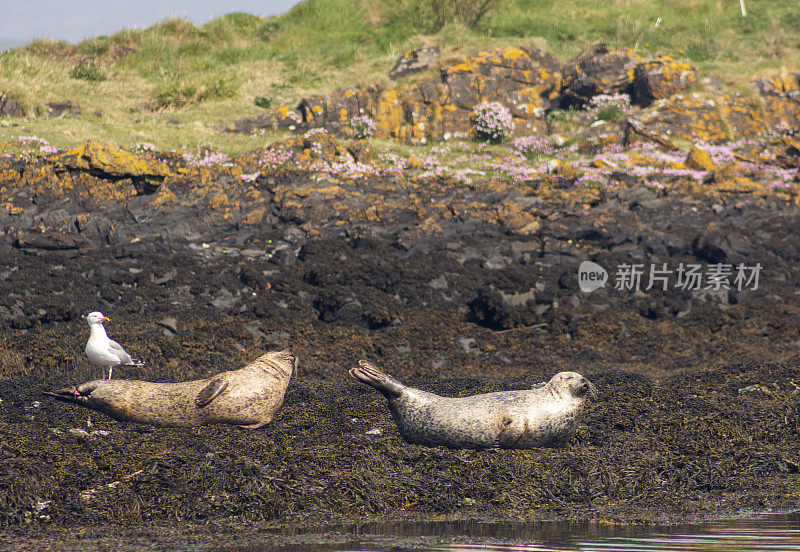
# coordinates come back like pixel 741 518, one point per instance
pixel 546 415
pixel 248 397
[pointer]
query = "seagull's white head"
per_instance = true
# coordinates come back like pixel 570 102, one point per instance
pixel 96 318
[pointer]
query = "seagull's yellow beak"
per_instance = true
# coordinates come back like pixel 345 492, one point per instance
pixel 105 319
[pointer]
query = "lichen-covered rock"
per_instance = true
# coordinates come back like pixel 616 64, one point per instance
pixel 414 61
pixel 598 71
pixel 301 152
pixel 389 114
pixel 783 151
pixel 466 89
pixel 314 111
pixel 787 86
pixel 686 117
pixel 659 78
pixel 522 79
pixel 601 138
pixel 526 80
pixel 514 219
pixel 781 95
pixel 698 158
pixel 495 75
pixel 341 108
pixel 454 122
pixel 9 107
pixel 530 82
pixel 361 150
pixel 743 115
pixel 428 92
pixel 105 161
pixel 526 103
pixel 528 126
pixel 727 171
pixel 736 185
pixel 634 132
pixel 782 113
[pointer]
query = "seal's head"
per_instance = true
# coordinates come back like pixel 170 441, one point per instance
pixel 96 318
pixel 571 384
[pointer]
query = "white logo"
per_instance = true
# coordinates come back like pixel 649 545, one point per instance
pixel 591 276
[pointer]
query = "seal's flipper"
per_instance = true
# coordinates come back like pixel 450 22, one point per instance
pixel 369 374
pixel 75 394
pixel 210 392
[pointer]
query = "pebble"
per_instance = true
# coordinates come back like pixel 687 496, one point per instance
pixel 468 344
pixel 438 283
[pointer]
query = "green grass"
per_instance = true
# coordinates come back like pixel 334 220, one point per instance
pixel 173 84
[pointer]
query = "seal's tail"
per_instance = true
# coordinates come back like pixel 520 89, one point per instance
pixel 75 394
pixel 369 374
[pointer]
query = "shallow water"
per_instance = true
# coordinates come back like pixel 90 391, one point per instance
pixel 767 533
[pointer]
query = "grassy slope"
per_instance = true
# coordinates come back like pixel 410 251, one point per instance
pixel 173 83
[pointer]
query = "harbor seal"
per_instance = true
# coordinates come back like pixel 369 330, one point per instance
pixel 248 397
pixel 546 415
pixel 102 351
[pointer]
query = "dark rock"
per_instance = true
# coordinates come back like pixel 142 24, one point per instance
pixel 284 254
pixel 414 61
pixel 545 59
pixel 491 310
pixel 279 339
pixel 361 150
pixel 597 71
pixel 636 195
pixel 709 247
pixel 335 304
pixel 9 107
pixel 254 278
pixel 282 118
pixel 50 242
pixel 464 89
pixel 59 109
pixel 314 111
pixel 624 178
pixel 659 78
pixel 675 244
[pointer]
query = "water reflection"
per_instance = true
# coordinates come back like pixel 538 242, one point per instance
pixel 768 533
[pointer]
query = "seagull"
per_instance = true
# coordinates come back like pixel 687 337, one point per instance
pixel 101 350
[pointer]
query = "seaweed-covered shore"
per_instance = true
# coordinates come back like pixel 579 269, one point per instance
pixel 457 288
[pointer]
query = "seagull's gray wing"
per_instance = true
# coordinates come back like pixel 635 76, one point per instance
pixel 117 349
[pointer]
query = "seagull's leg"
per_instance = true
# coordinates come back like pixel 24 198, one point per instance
pixel 110 370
